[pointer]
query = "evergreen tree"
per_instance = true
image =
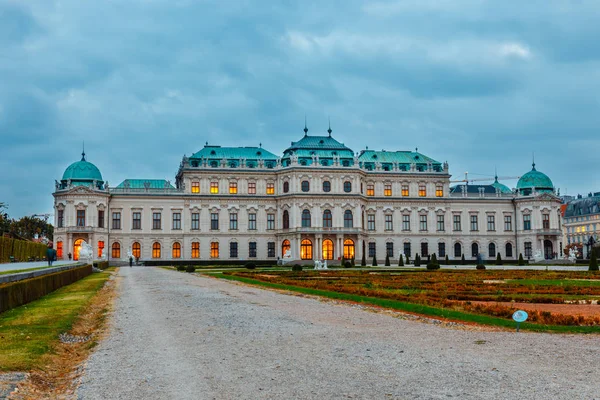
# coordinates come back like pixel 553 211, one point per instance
pixel 498 259
pixel 433 262
pixel 447 260
pixel 462 260
pixel 374 261
pixel 521 261
pixel 400 261
pixel 363 261
pixel 407 260
pixel 593 261
pixel 387 260
pixel 417 260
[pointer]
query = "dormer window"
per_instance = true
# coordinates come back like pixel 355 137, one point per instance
pixel 212 152
pixel 259 153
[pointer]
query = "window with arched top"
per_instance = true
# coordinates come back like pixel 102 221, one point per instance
pixel 457 250
pixel 348 249
pixel 509 250
pixel 306 250
pixel 327 249
pixel 116 250
pixel 305 186
pixel 492 250
pixel 136 250
pixel 347 186
pixel 327 186
pixel 474 250
pixel 348 219
pixel 286 187
pixel 286 219
pixel 285 247
pixel 156 250
pixel 176 250
pixel 306 219
pixel 327 219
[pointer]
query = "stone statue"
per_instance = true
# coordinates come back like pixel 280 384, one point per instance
pixel 537 257
pixel 86 253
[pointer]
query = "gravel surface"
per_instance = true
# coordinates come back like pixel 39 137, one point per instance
pixel 180 336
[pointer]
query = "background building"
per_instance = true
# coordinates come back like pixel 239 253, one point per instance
pixel 581 223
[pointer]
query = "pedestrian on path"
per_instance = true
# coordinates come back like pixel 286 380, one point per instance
pixel 50 255
pixel 130 261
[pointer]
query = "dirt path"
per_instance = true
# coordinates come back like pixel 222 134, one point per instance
pixel 175 335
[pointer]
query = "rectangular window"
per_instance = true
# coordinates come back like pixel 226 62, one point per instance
pixel 389 226
pixel 441 250
pixel 387 189
pixel 59 249
pixel 527 222
pixel 251 187
pixel 252 249
pixel 406 222
pixel 407 249
pixel 195 187
pixel 424 249
pixel 61 218
pixel 491 222
pixel 371 249
pixel 195 221
pixel 456 223
pixel 156 223
pixel 100 218
pixel 439 191
pixel 270 188
pixel 370 189
pixel 422 222
pixel 214 249
pixel 233 221
pixel 136 221
pixel 440 223
pixel 233 250
pixel 474 224
pixel 116 220
pixel 405 191
pixel 389 249
pixel 252 221
pixel 508 223
pixel 546 221
pixel 270 222
pixel 100 248
pixel 195 249
pixel 176 220
pixel 214 187
pixel 232 187
pixel 270 249
pixel 80 217
pixel 422 191
pixel 528 250
pixel 371 222
pixel 214 221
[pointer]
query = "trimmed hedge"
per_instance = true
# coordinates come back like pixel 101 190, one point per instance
pixel 20 249
pixel 101 264
pixel 22 292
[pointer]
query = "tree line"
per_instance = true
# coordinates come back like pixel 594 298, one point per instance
pixel 27 228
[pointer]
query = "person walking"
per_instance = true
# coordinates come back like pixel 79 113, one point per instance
pixel 50 254
pixel 130 261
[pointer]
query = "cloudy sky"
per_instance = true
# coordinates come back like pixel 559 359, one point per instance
pixel 480 84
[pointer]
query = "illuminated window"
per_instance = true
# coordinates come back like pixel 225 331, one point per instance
pixel 176 251
pixel 156 250
pixel 59 249
pixel 136 222
pixel 347 186
pixel 80 217
pixel 251 187
pixel 327 249
pixel 214 249
pixel 305 186
pixel 116 250
pixel 370 189
pixel 327 219
pixel 195 249
pixel 195 187
pixel 233 250
pixel 285 247
pixel 116 220
pixel 136 250
pixel 422 191
pixel 156 223
pixel 306 250
pixel 387 189
pixel 405 191
pixel 348 249
pixel 326 186
pixel 270 188
pixel 439 191
pixel 100 248
pixel 100 218
pixel 232 188
pixel 286 187
pixel 214 187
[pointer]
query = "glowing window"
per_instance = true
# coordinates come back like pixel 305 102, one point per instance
pixel 422 191
pixel 348 249
pixel 232 188
pixel 387 189
pixel 116 250
pixel 214 249
pixel 370 189
pixel 439 191
pixel 195 249
pixel 214 187
pixel 285 247
pixel 251 187
pixel 405 191
pixel 100 248
pixel 327 249
pixel 306 250
pixel 59 249
pixel 195 187
pixel 136 249
pixel 270 188
pixel 156 250
pixel 176 250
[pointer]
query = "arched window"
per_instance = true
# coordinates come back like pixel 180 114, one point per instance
pixel 156 250
pixel 492 250
pixel 347 186
pixel 286 187
pixel 327 219
pixel 136 250
pixel 327 249
pixel 327 186
pixel 509 250
pixel 286 219
pixel 474 250
pixel 306 250
pixel 457 250
pixel 285 247
pixel 306 219
pixel 116 250
pixel 176 251
pixel 305 186
pixel 195 249
pixel 348 219
pixel 348 248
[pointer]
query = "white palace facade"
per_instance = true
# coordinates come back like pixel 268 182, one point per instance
pixel 319 200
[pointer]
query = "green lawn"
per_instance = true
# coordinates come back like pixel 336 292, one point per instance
pixel 29 331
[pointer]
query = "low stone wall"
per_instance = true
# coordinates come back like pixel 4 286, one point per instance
pixel 26 289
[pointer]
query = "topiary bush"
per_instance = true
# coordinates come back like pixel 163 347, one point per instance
pixel 190 268
pixel 374 261
pixel 462 260
pixel 480 266
pixel 347 264
pixel 400 261
pixel 407 259
pixel 498 259
pixel 250 265
pixel 417 261
pixel 363 261
pixel 297 267
pixel 180 268
pixel 447 260
pixel 433 263
pixel 593 261
pixel 387 260
pixel 521 261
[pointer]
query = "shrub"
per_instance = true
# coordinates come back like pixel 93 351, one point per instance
pixel 190 268
pixel 498 259
pixel 417 260
pixel 593 261
pixel 400 261
pixel 462 260
pixel 521 261
pixel 347 264
pixel 297 267
pixel 480 266
pixel 433 263
pixel 180 268
pixel 407 260
pixel 250 265
pixel 374 261
pixel 387 260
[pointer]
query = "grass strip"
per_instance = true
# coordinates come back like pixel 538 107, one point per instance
pixel 416 308
pixel 28 332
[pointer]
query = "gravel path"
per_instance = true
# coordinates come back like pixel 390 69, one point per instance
pixel 179 336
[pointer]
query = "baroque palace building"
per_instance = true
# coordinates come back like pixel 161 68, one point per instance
pixel 319 200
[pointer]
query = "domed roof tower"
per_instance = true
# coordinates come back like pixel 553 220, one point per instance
pixel 534 181
pixel 501 187
pixel 82 173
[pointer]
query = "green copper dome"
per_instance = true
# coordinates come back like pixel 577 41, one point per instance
pixel 82 171
pixel 535 180
pixel 502 188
